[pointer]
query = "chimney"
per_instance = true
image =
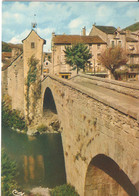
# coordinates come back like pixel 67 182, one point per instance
pixel 52 41
pixel 53 34
pixel 84 31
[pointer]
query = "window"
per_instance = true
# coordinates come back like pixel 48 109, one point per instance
pixel 98 46
pixel 98 56
pixel 66 77
pixel 90 46
pixel 112 44
pixel 119 43
pixel 32 45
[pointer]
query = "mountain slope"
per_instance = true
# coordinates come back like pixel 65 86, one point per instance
pixel 133 27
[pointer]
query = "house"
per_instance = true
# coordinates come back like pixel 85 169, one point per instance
pixel 47 65
pixel 128 40
pixel 14 74
pixel 59 42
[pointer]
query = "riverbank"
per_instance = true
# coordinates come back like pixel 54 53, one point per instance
pixel 48 124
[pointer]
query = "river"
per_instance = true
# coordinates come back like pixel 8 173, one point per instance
pixel 39 159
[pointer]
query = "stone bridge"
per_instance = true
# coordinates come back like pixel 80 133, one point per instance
pixel 100 134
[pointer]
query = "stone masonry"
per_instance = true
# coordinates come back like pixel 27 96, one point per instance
pixel 95 125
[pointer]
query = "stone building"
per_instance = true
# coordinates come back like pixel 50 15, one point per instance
pixel 14 74
pixel 59 42
pixel 47 64
pixel 125 38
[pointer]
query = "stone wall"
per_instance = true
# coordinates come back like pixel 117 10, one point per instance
pixel 32 46
pixel 92 127
pixel 4 81
pixel 13 83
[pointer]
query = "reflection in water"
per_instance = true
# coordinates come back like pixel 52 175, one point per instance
pixel 25 169
pixel 31 167
pixel 31 138
pixel 40 167
pixel 40 160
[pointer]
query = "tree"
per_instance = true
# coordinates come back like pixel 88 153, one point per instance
pixel 6 47
pixel 8 175
pixel 113 58
pixel 78 56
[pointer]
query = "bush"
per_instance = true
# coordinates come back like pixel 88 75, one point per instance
pixel 8 174
pixel 12 118
pixel 64 190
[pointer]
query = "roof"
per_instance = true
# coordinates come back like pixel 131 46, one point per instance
pixel 129 39
pixel 8 65
pixel 72 39
pixel 6 55
pixel 37 34
pixel 107 29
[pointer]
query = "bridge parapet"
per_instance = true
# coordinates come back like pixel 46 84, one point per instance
pixel 121 87
pixel 120 100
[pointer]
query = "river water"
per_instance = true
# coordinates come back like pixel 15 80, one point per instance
pixel 39 159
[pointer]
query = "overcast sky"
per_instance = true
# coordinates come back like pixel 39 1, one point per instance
pixel 63 17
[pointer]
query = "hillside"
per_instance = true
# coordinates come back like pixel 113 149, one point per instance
pixel 7 47
pixel 133 27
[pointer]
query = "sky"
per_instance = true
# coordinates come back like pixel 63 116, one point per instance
pixel 63 17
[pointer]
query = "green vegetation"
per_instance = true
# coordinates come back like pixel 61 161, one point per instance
pixel 32 80
pixel 77 56
pixel 8 174
pixel 64 190
pixel 133 27
pixel 11 118
pixel 6 47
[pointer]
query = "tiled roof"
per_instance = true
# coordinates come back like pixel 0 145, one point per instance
pixel 6 55
pixel 10 63
pixel 129 39
pixel 72 39
pixel 106 29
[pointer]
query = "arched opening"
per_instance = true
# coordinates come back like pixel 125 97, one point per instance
pixel 105 178
pixel 48 103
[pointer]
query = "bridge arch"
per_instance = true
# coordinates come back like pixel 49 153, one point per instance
pixel 104 177
pixel 49 102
